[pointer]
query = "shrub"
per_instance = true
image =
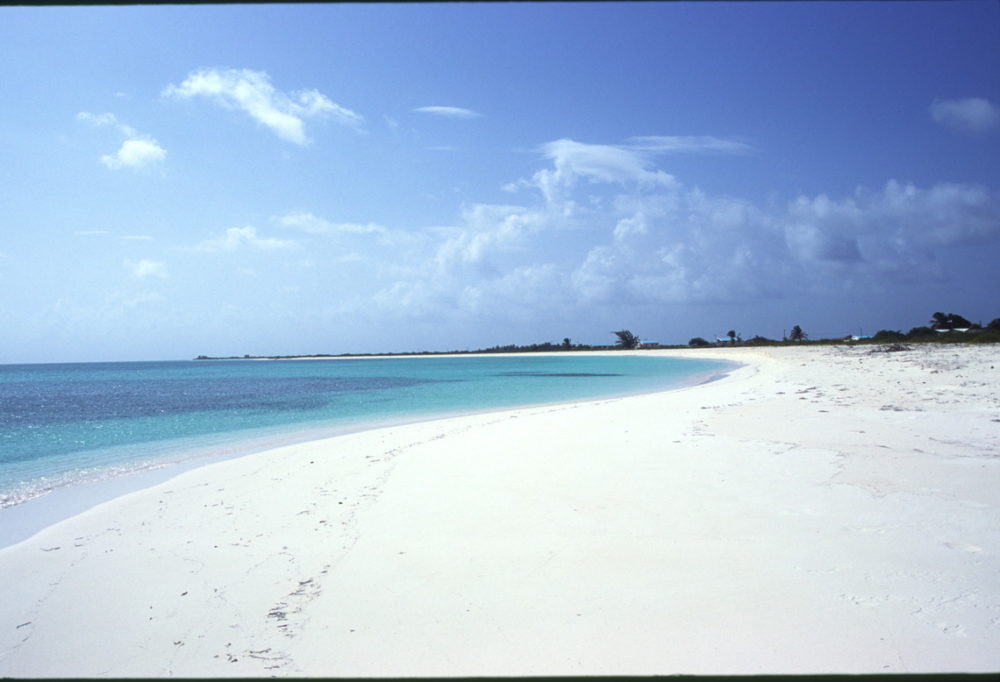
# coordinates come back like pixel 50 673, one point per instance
pixel 920 332
pixel 698 342
pixel 990 335
pixel 888 335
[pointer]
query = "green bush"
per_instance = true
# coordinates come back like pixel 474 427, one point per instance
pixel 991 335
pixel 884 335
pixel 698 342
pixel 920 333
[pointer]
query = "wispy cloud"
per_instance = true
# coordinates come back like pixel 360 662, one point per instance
pixel 252 92
pixel 972 114
pixel 245 238
pixel 307 222
pixel 601 163
pixel 672 144
pixel 449 112
pixel 106 119
pixel 137 151
pixel 146 268
pixel 631 162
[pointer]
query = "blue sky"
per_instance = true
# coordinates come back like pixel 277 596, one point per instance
pixel 184 180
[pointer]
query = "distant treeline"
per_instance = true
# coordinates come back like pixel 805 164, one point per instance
pixel 943 328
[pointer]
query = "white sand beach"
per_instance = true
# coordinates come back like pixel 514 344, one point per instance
pixel 819 510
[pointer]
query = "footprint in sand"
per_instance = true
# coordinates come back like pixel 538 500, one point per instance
pixel 949 629
pixel 963 546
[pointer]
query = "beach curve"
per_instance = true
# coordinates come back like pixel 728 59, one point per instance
pixel 820 509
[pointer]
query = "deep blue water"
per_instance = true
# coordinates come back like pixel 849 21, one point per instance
pixel 71 423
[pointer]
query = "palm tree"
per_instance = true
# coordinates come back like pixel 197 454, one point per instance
pixel 949 321
pixel 626 339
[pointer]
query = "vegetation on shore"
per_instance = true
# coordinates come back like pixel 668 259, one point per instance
pixel 942 328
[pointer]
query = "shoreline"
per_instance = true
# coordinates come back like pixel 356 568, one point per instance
pixel 20 521
pixel 816 510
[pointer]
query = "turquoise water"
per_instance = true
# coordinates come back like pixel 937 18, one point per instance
pixel 72 423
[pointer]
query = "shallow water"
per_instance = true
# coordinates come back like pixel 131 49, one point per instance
pixel 68 424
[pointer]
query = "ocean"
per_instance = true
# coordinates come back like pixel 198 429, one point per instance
pixel 67 424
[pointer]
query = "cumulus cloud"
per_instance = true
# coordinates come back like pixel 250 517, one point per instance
pixel 146 268
pixel 449 112
pixel 137 150
pixel 647 239
pixel 245 238
pixel 695 247
pixel 252 92
pixel 487 229
pixel 896 227
pixel 135 154
pixel 972 114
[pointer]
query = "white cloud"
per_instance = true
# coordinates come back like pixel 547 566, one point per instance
pixel 307 222
pixel 636 225
pixel 666 144
pixel 252 93
pixel 597 163
pixel 972 114
pixel 695 247
pixel 245 237
pixel 602 163
pixel 630 163
pixel 646 239
pixel 896 228
pixel 97 119
pixel 448 112
pixel 488 230
pixel 137 151
pixel 146 268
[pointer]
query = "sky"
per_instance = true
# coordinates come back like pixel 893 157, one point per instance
pixel 351 178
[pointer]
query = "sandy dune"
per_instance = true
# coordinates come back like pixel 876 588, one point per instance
pixel 819 510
